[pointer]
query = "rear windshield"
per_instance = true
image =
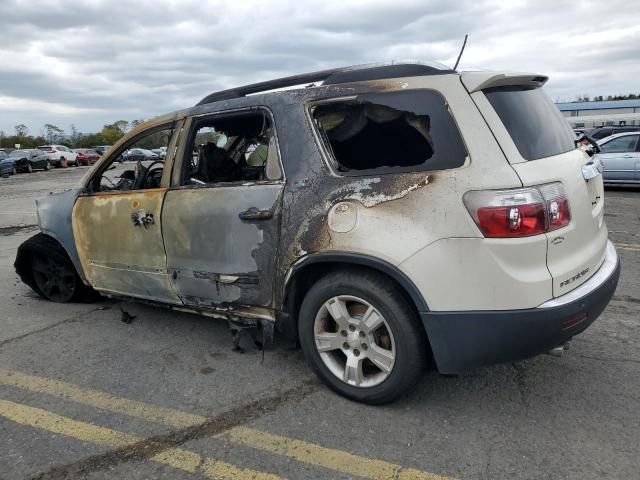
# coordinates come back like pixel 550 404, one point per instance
pixel 535 124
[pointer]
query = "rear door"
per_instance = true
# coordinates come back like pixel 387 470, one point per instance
pixel 221 218
pixel 539 144
pixel 620 158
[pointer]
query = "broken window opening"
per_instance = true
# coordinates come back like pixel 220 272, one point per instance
pixel 138 165
pixel 390 132
pixel 238 147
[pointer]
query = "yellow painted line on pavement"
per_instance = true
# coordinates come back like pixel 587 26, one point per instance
pixel 299 450
pixel 634 247
pixel 99 399
pixel 330 458
pixel 175 457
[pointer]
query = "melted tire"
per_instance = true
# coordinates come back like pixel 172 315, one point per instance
pixel 44 249
pixel 411 344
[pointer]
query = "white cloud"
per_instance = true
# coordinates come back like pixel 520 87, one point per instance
pixel 93 62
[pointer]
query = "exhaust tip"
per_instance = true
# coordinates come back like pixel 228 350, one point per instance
pixel 557 351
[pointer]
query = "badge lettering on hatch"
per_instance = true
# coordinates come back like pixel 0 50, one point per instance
pixel 574 278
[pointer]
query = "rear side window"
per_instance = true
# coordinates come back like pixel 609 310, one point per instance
pixel 534 123
pixel 390 132
pixel 626 143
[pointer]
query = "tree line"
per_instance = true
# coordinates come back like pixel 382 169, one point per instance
pixel 606 98
pixel 52 134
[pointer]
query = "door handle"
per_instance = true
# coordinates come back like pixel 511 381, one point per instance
pixel 140 217
pixel 254 213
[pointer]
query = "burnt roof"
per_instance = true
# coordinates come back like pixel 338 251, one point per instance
pixel 334 76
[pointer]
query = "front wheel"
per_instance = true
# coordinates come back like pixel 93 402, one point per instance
pixel 45 266
pixel 360 336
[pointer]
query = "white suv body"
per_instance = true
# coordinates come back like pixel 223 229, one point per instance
pixel 60 155
pixel 401 212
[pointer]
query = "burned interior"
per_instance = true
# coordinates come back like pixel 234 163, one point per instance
pixel 237 147
pixel 393 132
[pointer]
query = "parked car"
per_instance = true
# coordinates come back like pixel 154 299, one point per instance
pixel 160 152
pixel 598 133
pixel 140 155
pixel 86 156
pixel 620 157
pixel 60 155
pixel 101 148
pixel 7 165
pixel 404 215
pixel 29 159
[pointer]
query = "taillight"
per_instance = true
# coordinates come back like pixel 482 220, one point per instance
pixel 53 150
pixel 557 206
pixel 520 212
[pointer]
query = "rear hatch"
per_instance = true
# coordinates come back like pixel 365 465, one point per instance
pixel 539 144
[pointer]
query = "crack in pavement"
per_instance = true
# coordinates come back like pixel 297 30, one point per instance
pixel 155 445
pixel 75 318
pixel 608 359
pixel 6 231
pixel 625 299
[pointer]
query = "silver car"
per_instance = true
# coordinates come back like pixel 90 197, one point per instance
pixel 620 156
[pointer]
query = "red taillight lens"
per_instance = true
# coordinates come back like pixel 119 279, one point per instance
pixel 515 221
pixel 53 150
pixel 519 212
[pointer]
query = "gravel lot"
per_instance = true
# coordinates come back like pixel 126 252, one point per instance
pixel 83 395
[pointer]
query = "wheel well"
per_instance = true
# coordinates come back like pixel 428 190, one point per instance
pixel 303 278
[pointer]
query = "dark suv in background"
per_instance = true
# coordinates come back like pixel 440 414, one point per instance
pixel 599 133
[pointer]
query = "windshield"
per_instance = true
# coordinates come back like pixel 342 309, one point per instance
pixel 534 123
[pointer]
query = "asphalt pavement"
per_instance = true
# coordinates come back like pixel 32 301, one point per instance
pixel 84 395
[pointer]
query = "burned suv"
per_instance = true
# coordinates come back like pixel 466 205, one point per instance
pixel 386 217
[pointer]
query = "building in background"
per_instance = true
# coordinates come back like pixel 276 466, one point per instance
pixel 600 114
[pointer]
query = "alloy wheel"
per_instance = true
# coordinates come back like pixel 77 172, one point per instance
pixel 354 341
pixel 56 281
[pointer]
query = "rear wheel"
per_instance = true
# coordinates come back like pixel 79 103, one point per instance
pixel 360 336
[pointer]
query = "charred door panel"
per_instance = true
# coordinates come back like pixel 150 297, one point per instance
pixel 221 243
pixel 119 242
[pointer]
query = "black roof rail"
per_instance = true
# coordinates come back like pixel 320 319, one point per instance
pixel 333 76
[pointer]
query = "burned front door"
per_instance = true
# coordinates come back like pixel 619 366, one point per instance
pixel 221 222
pixel 116 221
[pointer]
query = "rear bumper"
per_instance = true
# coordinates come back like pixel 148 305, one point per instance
pixel 463 340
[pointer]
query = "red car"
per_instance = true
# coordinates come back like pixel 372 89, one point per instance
pixel 86 156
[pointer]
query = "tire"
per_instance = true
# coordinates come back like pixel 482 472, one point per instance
pixel 397 345
pixel 44 265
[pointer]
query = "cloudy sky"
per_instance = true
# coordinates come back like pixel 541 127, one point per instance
pixel 93 62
